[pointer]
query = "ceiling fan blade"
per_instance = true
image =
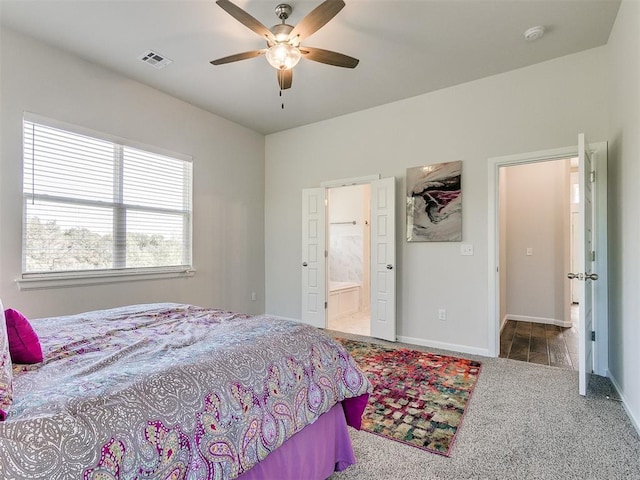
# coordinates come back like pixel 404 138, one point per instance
pixel 317 18
pixel 238 56
pixel 285 77
pixel 328 57
pixel 246 19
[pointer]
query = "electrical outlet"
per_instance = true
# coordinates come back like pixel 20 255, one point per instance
pixel 442 314
pixel 466 249
pixel 529 251
pixel 254 297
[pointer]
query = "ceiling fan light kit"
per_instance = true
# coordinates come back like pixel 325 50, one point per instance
pixel 283 50
pixel 283 56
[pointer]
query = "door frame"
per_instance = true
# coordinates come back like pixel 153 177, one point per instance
pixel 372 180
pixel 342 182
pixel 493 244
pixel 365 292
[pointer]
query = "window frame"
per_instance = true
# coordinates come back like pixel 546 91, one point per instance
pixel 118 273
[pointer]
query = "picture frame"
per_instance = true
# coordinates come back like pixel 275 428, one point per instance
pixel 434 202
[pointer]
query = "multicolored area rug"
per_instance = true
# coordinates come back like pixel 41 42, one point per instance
pixel 418 398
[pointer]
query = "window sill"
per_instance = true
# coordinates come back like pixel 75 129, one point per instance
pixel 43 281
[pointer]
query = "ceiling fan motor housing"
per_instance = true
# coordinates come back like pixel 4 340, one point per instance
pixel 281 32
pixel 283 11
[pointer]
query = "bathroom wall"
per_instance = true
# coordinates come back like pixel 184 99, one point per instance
pixel 346 240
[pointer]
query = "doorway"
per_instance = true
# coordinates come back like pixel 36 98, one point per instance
pixel 535 252
pixel 348 266
pixel 382 254
pixel 593 328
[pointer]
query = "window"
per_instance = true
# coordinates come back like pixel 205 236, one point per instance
pixel 92 204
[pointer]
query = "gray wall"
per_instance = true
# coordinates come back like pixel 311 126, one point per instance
pixel 535 108
pixel 228 166
pixel 624 205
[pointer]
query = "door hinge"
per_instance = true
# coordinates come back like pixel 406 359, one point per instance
pixel 592 177
pixel 593 255
pixel 593 336
pixel 325 305
pixel 326 254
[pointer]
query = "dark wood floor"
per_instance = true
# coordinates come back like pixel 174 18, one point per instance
pixel 540 343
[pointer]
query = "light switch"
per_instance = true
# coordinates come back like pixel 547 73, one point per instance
pixel 529 251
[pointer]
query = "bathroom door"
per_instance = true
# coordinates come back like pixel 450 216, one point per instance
pixel 383 259
pixel 313 257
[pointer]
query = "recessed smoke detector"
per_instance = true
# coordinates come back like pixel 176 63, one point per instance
pixel 155 59
pixel 534 33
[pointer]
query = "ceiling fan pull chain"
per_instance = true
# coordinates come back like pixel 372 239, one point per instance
pixel 282 105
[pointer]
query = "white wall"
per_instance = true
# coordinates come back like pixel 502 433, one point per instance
pixel 228 233
pixel 537 217
pixel 624 200
pixel 535 108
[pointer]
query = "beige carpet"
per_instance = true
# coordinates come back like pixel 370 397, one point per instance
pixel 524 421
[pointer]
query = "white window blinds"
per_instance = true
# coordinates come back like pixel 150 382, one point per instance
pixel 95 204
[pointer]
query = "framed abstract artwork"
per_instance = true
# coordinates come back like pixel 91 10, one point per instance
pixel 434 203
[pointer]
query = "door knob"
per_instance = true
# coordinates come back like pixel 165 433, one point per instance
pixel 582 276
pixel 304 264
pixel 389 267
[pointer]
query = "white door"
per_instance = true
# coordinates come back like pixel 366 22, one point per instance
pixel 313 257
pixel 383 259
pixel 584 275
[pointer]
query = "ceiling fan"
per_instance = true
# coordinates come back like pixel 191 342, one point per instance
pixel 283 50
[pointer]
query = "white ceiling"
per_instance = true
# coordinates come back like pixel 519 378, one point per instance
pixel 406 48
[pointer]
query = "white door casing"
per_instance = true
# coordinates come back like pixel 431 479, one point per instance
pixel 383 259
pixel 600 300
pixel 382 251
pixel 313 264
pixel 599 159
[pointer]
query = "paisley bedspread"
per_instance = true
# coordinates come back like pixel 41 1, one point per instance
pixel 168 391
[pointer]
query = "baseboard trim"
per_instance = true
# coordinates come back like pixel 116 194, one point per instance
pixel 549 321
pixel 503 323
pixel 445 346
pixel 625 403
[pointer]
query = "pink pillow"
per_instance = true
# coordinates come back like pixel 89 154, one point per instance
pixel 6 373
pixel 24 344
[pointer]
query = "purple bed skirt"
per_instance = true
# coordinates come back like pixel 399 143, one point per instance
pixel 317 450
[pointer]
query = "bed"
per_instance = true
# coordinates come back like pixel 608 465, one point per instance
pixel 173 391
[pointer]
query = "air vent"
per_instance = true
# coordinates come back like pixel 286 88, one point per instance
pixel 155 59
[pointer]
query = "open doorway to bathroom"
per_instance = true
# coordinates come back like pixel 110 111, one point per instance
pixel 348 266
